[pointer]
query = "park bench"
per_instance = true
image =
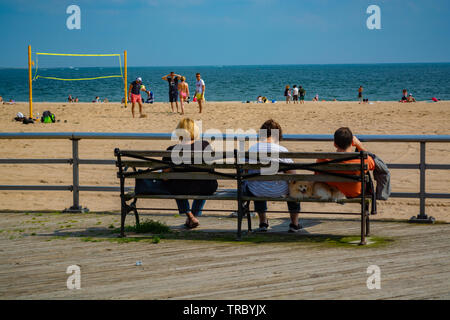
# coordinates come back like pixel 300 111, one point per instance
pixel 234 167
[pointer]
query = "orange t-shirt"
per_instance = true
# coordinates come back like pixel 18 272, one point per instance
pixel 350 189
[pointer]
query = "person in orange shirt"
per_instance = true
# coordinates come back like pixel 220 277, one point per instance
pixel 344 141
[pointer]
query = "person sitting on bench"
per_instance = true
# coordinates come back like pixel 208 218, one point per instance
pixel 273 133
pixel 188 132
pixel 344 140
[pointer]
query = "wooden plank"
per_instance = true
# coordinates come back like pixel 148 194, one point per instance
pixel 248 155
pixel 248 166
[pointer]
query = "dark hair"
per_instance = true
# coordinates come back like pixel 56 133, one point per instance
pixel 197 74
pixel 343 138
pixel 295 86
pixel 270 125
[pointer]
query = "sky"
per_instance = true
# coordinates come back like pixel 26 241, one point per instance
pixel 228 32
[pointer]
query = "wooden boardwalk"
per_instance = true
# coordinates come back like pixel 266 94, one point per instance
pixel 36 249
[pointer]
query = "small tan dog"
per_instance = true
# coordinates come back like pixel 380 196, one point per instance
pixel 314 190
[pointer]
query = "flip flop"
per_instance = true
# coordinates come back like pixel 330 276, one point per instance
pixel 192 225
pixel 143 116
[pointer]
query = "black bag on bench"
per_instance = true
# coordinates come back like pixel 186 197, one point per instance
pixel 150 186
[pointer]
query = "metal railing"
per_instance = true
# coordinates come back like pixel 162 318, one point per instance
pixel 75 161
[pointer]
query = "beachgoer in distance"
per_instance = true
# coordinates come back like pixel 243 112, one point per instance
pixel 360 94
pixel 183 89
pixel 190 141
pixel 200 91
pixel 70 99
pixel 259 99
pixel 172 79
pixel 273 133
pixel 76 99
pixel 411 98
pixel 404 96
pixel 287 94
pixel 135 90
pixel 316 98
pixel 96 100
pixel 344 141
pixel 302 93
pixel 295 94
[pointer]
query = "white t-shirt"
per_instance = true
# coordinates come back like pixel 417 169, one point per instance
pixel 275 188
pixel 199 86
pixel 295 91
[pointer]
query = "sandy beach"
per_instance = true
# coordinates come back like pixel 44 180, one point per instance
pixel 310 118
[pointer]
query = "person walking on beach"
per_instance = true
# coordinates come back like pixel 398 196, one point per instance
pixel 183 88
pixel 287 94
pixel 200 91
pixel 295 94
pixel 172 79
pixel 135 89
pixel 302 93
pixel 360 95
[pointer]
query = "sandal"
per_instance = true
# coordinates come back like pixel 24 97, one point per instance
pixel 192 225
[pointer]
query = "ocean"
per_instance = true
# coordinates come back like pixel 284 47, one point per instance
pixel 381 82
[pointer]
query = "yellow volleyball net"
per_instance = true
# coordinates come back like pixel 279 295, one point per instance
pixel 76 75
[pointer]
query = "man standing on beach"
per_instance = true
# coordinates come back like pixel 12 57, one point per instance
pixel 360 96
pixel 172 79
pixel 302 94
pixel 200 91
pixel 135 89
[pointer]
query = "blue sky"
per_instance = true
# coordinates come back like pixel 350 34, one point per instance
pixel 229 32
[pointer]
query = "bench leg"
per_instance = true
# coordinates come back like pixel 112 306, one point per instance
pixel 363 224
pixel 123 215
pixel 240 216
pixel 249 217
pixel 367 221
pixel 136 214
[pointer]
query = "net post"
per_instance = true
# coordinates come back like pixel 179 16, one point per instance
pixel 125 75
pixel 30 86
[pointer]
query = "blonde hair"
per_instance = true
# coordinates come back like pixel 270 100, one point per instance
pixel 287 87
pixel 191 128
pixel 183 78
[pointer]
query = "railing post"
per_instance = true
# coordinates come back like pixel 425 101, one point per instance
pixel 422 217
pixel 75 208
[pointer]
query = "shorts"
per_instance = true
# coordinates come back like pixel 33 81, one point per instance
pixel 136 98
pixel 199 96
pixel 302 97
pixel 295 97
pixel 173 96
pixel 360 95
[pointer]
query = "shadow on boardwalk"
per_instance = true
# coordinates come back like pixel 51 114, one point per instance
pixel 318 263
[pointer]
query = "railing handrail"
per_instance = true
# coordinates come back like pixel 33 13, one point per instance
pixel 75 161
pixel 167 136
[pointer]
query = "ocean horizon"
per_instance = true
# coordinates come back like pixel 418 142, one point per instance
pixel 381 81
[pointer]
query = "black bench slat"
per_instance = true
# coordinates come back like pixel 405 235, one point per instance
pixel 246 166
pixel 248 155
pixel 231 194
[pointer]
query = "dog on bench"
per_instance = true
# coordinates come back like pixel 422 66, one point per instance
pixel 314 190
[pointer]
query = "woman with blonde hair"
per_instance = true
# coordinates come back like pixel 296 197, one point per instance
pixel 188 135
pixel 287 94
pixel 183 89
